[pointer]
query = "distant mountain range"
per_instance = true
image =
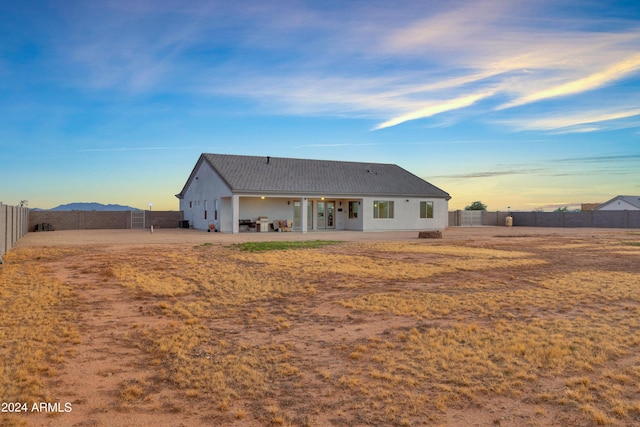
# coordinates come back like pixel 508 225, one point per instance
pixel 92 206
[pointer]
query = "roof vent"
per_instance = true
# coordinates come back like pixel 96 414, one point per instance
pixel 268 159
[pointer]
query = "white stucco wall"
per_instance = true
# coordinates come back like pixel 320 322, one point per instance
pixel 226 215
pixel 342 214
pixel 202 192
pixel 352 223
pixel 406 214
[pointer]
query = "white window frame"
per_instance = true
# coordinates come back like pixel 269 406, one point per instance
pixel 424 214
pixel 384 207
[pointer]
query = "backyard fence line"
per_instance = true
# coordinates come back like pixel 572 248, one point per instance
pixel 94 220
pixel 466 218
pixel 594 219
pixel 14 223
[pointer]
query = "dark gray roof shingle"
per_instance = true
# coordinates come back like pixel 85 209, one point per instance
pixel 304 176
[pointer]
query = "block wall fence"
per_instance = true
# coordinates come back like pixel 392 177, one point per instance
pixel 14 223
pixel 595 219
pixel 93 220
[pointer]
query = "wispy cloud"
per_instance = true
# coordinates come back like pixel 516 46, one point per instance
pixel 555 205
pixel 373 61
pixel 576 122
pixel 512 57
pixel 399 143
pixel 122 149
pixel 612 73
pixel 622 164
pixel 435 108
pixel 366 144
pixel 490 174
pixel 600 159
pixel 523 57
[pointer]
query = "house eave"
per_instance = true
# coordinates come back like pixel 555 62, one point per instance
pixel 258 193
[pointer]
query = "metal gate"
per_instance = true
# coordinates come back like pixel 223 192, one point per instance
pixel 471 218
pixel 137 220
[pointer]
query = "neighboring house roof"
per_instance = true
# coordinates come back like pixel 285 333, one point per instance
pixel 632 200
pixel 269 175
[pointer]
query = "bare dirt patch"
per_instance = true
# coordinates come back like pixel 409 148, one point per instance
pixel 487 326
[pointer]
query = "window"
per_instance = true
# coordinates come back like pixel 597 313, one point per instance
pixel 353 209
pixel 383 209
pixel 426 209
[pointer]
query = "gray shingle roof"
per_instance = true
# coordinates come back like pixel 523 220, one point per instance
pixel 253 174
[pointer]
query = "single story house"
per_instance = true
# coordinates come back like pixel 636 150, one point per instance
pixel 621 203
pixel 232 193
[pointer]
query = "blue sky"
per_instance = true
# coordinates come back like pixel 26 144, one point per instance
pixel 523 104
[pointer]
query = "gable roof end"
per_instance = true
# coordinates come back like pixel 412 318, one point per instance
pixel 632 200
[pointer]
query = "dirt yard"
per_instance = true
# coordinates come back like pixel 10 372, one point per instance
pixel 489 326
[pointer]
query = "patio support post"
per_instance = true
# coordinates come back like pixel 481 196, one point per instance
pixel 235 214
pixel 303 214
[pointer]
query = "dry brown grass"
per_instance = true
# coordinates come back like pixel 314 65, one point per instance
pixel 379 333
pixel 38 327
